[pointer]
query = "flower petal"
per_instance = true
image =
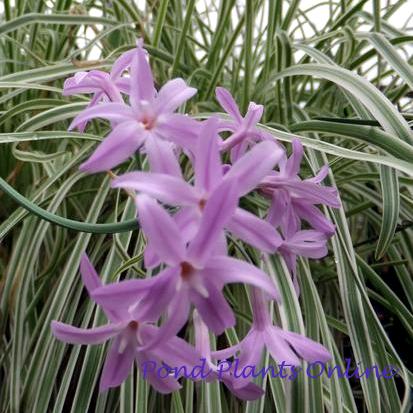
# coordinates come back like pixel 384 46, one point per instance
pixel 214 309
pixel 292 166
pixel 177 352
pixel 142 87
pixel 279 202
pixel 308 349
pixel 221 247
pixel 94 81
pixel 228 103
pixel 165 188
pixel 253 115
pixel 123 84
pixel 291 262
pixel 235 140
pixel 238 150
pixel 321 175
pixel 117 365
pixel 156 300
pixel 290 222
pixel 174 351
pixel 208 166
pixel 71 87
pixel 187 219
pixel 311 192
pixel 90 277
pixel 128 292
pixel 150 257
pixel 202 343
pixel 177 317
pixel 224 270
pixel 93 102
pixel 217 212
pixel 254 165
pixel 226 352
pixel 161 157
pixel 248 392
pixel 314 217
pixel 180 129
pixel 251 348
pixel 172 95
pixel 122 63
pixel 254 231
pixel 307 243
pixel 118 146
pixel 161 230
pixel 115 112
pixel 162 385
pixel 74 335
pixel 278 348
pixel 92 281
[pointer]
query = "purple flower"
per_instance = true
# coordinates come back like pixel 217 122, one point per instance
pixel 193 273
pixel 149 116
pixel 304 243
pixel 100 83
pixel 97 82
pixel 124 61
pixel 249 391
pixel 283 346
pixel 243 129
pixel 130 334
pixel 189 245
pixel 294 199
pixel 104 86
pixel 208 169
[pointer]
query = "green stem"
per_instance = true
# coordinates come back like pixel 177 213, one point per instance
pixel 111 228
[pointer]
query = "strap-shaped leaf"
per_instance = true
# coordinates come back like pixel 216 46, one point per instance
pixel 391 207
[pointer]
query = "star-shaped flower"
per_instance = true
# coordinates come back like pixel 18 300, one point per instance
pixel 130 333
pixel 194 273
pixel 249 391
pixel 244 132
pixel 283 346
pixel 148 116
pixel 172 189
pixel 294 199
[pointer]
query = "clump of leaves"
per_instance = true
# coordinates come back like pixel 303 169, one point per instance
pixel 336 74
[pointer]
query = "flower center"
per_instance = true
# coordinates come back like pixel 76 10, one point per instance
pixel 133 325
pixel 191 278
pixel 147 122
pixel 201 204
pixel 186 270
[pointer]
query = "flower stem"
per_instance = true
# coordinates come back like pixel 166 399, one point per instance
pixel 111 228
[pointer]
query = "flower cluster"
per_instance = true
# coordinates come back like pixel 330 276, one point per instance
pixel 187 248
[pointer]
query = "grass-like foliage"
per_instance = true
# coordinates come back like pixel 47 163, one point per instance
pixel 337 74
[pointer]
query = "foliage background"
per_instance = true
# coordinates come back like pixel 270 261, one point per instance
pixel 336 73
